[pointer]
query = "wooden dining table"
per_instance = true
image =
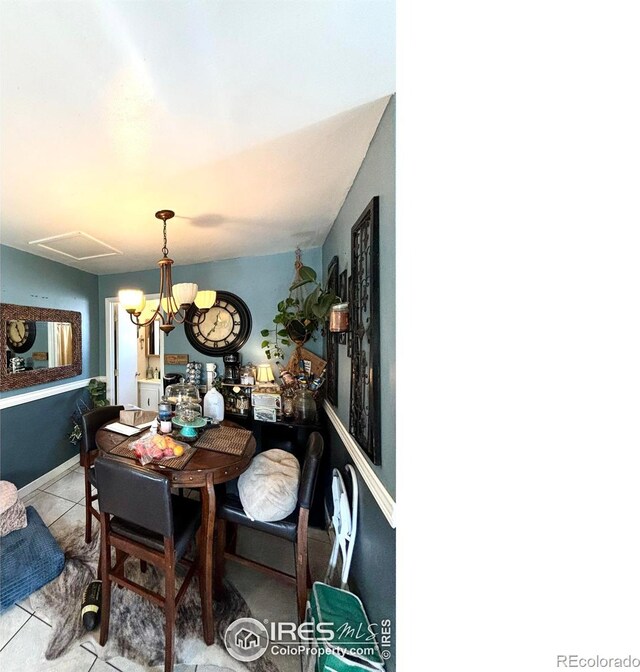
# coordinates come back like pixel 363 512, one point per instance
pixel 203 471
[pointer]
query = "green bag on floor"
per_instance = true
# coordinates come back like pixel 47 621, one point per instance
pixel 353 645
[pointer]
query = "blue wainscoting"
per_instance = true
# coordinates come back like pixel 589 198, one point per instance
pixel 34 437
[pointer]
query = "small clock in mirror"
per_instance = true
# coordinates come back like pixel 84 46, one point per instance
pixel 21 335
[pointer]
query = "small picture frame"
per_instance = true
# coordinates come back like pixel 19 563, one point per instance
pixel 264 414
pixel 176 359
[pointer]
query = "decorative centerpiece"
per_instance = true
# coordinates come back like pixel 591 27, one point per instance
pixel 189 418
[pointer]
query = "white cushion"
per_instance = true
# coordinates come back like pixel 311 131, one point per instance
pixel 268 489
pixel 8 495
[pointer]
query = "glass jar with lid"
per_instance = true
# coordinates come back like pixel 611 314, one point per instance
pixel 247 375
pixel 243 402
pixel 179 392
pixel 339 318
pixel 304 405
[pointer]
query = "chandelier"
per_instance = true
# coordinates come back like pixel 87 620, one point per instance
pixel 174 301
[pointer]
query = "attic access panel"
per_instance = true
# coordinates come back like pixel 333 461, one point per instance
pixel 76 245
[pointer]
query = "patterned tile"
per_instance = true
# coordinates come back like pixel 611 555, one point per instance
pixel 69 486
pixel 50 507
pixel 25 651
pixel 10 622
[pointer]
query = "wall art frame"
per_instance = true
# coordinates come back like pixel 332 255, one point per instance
pixel 331 339
pixel 364 328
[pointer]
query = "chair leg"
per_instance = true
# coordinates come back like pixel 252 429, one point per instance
pixel 169 608
pixel 302 563
pixel 119 555
pixel 105 566
pixel 87 510
pixel 218 567
pixel 301 581
pixel 232 537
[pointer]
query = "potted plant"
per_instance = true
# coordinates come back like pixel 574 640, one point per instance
pixel 98 396
pixel 298 317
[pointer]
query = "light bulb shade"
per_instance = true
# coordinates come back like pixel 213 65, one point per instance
pixel 205 299
pixel 132 300
pixel 149 310
pixel 184 293
pixel 264 374
pixel 169 305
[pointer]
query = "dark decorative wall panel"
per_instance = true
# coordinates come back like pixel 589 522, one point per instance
pixel 364 407
pixel 332 339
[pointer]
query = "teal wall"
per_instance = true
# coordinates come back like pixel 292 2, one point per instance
pixel 373 571
pixel 28 280
pixel 376 177
pixel 33 436
pixel 259 281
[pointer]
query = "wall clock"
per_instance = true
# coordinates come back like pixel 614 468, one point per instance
pixel 21 334
pixel 225 329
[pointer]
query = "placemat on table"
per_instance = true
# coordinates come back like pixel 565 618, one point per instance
pixel 123 450
pixel 232 440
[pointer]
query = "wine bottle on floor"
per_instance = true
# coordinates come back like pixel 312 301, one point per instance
pixel 91 605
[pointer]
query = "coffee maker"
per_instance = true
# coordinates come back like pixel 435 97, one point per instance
pixel 231 367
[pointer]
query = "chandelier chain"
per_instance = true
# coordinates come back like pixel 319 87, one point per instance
pixel 165 249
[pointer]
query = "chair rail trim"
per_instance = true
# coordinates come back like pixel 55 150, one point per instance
pixel 27 397
pixel 380 493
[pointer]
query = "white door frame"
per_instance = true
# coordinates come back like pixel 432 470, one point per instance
pixel 109 323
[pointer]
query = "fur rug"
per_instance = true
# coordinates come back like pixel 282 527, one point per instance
pixel 136 629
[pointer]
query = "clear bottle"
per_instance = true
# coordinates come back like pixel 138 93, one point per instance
pixel 164 415
pixel 304 405
pixel 287 402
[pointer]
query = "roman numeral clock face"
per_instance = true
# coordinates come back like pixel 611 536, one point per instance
pixel 225 328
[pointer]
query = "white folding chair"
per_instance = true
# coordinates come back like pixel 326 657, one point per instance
pixel 345 523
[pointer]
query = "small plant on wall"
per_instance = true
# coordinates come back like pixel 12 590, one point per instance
pixel 97 397
pixel 299 315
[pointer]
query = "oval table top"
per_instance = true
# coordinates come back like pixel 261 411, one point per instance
pixel 222 466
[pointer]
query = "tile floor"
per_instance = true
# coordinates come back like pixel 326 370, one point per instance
pixel 24 633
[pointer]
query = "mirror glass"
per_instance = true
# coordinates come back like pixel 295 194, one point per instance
pixel 35 345
pixel 42 345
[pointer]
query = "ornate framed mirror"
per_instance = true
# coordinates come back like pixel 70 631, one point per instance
pixel 41 345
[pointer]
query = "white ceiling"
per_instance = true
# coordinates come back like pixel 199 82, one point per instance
pixel 248 118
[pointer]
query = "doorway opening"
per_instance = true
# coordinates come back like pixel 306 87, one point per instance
pixel 134 359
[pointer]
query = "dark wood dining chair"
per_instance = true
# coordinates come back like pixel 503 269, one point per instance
pixel 91 422
pixel 293 528
pixel 139 517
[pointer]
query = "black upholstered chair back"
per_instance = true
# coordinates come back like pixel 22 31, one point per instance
pixel 136 495
pixel 310 468
pixel 92 421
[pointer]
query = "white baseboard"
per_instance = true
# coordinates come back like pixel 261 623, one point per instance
pixel 49 476
pixel 380 493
